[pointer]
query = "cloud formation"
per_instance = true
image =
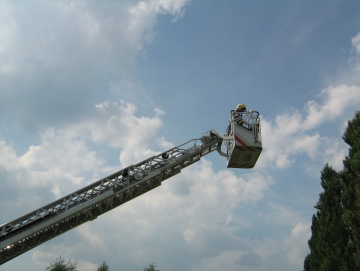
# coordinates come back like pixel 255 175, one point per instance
pixel 115 124
pixel 70 53
pixel 355 41
pixel 297 132
pixel 297 248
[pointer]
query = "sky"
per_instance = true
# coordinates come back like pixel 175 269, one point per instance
pixel 90 87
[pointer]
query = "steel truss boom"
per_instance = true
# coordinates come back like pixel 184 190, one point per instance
pixel 43 224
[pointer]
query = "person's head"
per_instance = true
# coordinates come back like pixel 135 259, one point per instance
pixel 241 107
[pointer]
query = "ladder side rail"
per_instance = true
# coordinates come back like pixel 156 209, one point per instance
pixel 54 226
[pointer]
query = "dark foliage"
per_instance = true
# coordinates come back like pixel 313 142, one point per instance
pixel 61 265
pixel 350 176
pixel 335 241
pixel 328 242
pixel 151 267
pixel 103 267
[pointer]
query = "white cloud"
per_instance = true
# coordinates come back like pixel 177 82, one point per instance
pixel 69 53
pixel 334 154
pixel 281 214
pixel 8 156
pixel 52 169
pixel 262 254
pixel 58 163
pixel 96 34
pixel 116 125
pixel 143 17
pixel 298 132
pixel 297 243
pixel 255 255
pixel 355 41
pixel 43 258
pixel 336 100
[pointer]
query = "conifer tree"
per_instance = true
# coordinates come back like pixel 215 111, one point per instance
pixel 61 265
pixel 151 267
pixel 351 178
pixel 103 267
pixel 335 240
pixel 328 242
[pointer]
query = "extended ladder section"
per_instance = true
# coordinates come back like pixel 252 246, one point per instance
pixel 43 224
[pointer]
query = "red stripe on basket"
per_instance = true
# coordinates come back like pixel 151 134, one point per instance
pixel 240 141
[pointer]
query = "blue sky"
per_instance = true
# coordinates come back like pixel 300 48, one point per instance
pixel 90 87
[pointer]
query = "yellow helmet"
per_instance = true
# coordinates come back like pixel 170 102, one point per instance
pixel 241 106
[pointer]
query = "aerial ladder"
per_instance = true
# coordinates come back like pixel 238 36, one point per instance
pixel 243 147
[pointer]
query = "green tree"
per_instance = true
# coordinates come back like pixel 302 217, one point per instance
pixel 103 267
pixel 329 235
pixel 151 267
pixel 61 265
pixel 335 240
pixel 351 196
